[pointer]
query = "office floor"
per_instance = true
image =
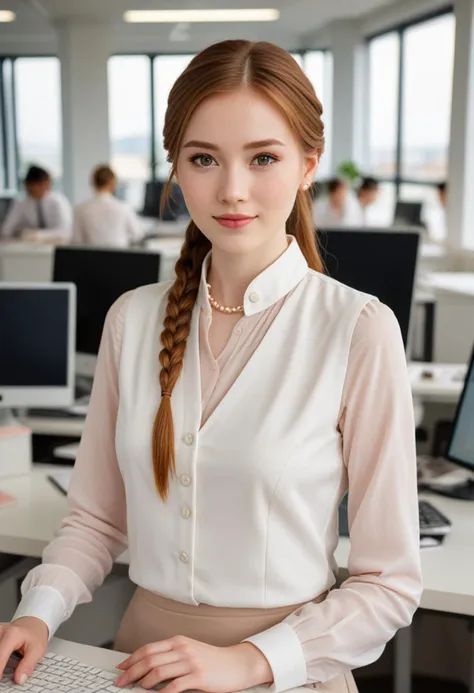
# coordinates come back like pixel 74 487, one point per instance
pixel 421 684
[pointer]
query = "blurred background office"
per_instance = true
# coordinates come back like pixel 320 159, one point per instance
pixel 83 94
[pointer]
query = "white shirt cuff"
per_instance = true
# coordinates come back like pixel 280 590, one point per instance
pixel 283 650
pixel 45 603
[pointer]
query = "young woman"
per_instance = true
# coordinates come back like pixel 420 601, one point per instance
pixel 223 466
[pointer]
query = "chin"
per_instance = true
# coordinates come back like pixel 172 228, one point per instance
pixel 235 242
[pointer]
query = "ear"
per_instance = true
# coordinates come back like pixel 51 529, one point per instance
pixel 311 163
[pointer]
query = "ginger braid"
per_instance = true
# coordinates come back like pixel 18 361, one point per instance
pixel 177 324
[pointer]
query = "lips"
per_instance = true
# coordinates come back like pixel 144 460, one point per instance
pixel 234 217
pixel 234 221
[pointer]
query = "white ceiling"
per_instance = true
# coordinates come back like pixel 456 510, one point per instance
pixel 299 21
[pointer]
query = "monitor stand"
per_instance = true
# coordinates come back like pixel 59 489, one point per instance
pixel 463 491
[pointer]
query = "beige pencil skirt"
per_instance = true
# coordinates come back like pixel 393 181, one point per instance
pixel 150 618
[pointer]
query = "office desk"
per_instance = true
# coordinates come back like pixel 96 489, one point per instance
pixel 26 262
pixel 445 386
pixel 28 526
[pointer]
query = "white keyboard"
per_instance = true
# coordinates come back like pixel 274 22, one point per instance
pixel 58 674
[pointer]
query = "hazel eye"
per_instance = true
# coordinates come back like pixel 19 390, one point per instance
pixel 265 159
pixel 202 160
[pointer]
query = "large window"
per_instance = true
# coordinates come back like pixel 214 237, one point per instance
pixel 427 94
pixel 130 121
pixel 167 69
pixel 384 60
pixel 411 74
pixel 38 114
pixel 318 66
pixel 139 86
pixel 30 118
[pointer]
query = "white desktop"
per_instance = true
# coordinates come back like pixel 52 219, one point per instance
pixel 36 361
pixel 37 358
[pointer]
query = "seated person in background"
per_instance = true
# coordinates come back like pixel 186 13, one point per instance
pixel 368 193
pixel 434 214
pixel 40 216
pixel 338 208
pixel 104 220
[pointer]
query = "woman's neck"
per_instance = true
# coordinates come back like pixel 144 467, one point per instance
pixel 230 274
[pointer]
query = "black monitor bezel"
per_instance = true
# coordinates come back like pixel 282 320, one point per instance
pixel 449 456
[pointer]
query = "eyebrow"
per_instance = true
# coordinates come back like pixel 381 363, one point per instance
pixel 250 145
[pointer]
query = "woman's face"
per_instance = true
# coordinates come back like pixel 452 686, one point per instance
pixel 239 157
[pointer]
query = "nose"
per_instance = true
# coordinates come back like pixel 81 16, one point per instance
pixel 233 186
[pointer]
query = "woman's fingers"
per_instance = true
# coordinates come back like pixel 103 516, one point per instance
pixel 140 669
pixel 149 650
pixel 164 673
pixel 183 683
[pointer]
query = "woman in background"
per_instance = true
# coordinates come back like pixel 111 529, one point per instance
pixel 105 221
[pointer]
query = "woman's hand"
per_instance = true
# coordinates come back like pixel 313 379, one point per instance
pixel 29 637
pixel 189 664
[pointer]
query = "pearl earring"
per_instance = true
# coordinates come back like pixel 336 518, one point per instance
pixel 305 186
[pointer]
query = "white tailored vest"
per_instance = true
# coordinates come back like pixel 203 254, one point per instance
pixel 263 477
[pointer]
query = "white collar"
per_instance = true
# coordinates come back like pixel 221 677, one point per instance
pixel 269 286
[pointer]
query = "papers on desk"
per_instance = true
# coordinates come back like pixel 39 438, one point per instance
pixel 61 479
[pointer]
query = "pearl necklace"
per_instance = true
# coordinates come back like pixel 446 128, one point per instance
pixel 222 309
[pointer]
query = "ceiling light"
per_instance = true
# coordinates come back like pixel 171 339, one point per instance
pixel 255 15
pixel 7 16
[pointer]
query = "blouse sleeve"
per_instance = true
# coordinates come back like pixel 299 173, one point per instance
pixel 351 627
pixel 94 534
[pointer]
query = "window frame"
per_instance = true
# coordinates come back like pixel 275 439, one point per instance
pixel 400 29
pixel 9 129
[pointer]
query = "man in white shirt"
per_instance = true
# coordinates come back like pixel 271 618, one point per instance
pixel 42 214
pixel 105 221
pixel 339 207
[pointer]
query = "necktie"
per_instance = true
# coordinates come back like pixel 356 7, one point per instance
pixel 40 211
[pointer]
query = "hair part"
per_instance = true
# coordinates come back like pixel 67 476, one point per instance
pixel 220 69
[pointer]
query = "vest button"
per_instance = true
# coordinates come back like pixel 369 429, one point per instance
pixel 185 479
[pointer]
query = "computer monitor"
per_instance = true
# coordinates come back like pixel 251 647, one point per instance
pixel 461 444
pixel 408 213
pixel 101 276
pixel 38 324
pixel 381 262
pixel 175 206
